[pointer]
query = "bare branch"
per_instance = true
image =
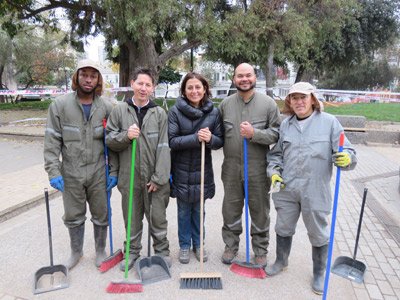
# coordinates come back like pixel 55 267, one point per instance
pixel 176 50
pixel 53 4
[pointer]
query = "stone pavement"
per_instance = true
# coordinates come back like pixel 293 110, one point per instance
pixel 24 247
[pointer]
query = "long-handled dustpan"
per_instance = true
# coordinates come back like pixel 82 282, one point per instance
pixel 348 267
pixel 115 257
pixel 154 268
pixel 53 277
pixel 201 280
pixel 246 268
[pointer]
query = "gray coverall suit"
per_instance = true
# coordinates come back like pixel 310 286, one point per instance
pixel 152 163
pixel 81 145
pixel 262 112
pixel 303 158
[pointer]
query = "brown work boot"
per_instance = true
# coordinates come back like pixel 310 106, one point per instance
pixel 228 256
pixel 261 260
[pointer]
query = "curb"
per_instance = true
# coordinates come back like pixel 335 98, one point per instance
pixel 22 136
pixel 25 206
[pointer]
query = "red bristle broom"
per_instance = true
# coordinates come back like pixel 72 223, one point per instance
pixel 125 285
pixel 115 257
pixel 246 268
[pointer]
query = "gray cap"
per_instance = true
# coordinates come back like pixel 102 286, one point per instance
pixel 302 88
pixel 87 63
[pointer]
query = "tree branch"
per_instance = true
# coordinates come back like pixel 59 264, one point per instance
pixel 177 49
pixel 27 12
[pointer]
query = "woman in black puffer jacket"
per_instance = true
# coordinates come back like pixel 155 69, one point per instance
pixel 191 120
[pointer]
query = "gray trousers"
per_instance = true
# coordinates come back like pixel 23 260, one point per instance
pixel 79 191
pixel 288 205
pixel 141 207
pixel 232 211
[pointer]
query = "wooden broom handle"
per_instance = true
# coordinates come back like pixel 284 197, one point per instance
pixel 202 206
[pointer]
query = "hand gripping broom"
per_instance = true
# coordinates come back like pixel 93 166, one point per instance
pixel 115 257
pixel 126 286
pixel 335 203
pixel 201 280
pixel 246 268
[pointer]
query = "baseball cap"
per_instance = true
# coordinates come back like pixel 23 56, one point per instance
pixel 88 63
pixel 302 88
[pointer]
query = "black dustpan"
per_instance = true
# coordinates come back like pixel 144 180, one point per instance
pixel 53 277
pixel 154 268
pixel 348 267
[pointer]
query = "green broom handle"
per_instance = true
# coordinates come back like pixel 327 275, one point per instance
pixel 131 188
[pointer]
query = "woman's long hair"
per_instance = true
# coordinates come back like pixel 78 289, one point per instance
pixel 203 81
pixel 287 110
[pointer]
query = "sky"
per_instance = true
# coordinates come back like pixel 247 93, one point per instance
pixel 92 47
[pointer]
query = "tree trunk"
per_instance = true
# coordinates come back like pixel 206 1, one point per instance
pixel 269 71
pixel 124 66
pixel 2 98
pixel 300 73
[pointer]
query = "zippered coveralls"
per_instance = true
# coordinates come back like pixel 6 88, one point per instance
pixel 152 163
pixel 263 114
pixel 81 145
pixel 303 158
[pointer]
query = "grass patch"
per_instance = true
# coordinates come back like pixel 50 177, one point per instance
pixel 372 111
pixel 29 105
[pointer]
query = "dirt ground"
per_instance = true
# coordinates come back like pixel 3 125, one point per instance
pixel 7 116
pixel 31 122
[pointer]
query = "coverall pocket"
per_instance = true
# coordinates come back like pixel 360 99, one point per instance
pixel 98 132
pixel 320 147
pixel 71 133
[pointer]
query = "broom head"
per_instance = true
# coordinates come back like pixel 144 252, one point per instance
pixel 124 287
pixel 248 270
pixel 205 281
pixel 111 261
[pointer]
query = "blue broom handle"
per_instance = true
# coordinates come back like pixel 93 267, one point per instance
pixel 335 203
pixel 108 192
pixel 246 199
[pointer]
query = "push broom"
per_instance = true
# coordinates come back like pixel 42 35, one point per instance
pixel 127 286
pixel 246 268
pixel 335 203
pixel 115 257
pixel 201 280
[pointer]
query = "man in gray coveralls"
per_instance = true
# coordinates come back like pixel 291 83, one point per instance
pixel 253 116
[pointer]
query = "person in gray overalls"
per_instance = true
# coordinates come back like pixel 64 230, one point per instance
pixel 301 162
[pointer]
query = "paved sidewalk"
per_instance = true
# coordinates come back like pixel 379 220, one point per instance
pixel 24 246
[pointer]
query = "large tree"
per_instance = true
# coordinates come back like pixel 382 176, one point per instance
pixel 137 33
pixel 314 35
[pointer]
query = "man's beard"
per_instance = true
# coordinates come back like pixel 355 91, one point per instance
pixel 252 86
pixel 83 91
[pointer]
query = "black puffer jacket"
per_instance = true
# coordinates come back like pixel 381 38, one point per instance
pixel 184 121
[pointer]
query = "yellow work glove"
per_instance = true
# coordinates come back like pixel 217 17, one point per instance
pixel 276 178
pixel 341 159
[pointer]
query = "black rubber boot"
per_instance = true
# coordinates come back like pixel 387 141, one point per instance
pixel 283 246
pixel 319 255
pixel 76 235
pixel 100 237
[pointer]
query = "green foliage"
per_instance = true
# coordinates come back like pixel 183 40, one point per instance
pixel 169 76
pixel 372 111
pixel 362 76
pixel 29 105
